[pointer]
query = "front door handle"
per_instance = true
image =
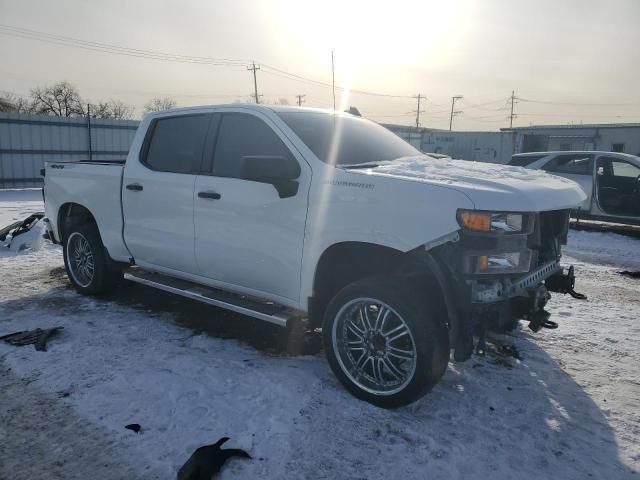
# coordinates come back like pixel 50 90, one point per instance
pixel 210 195
pixel 136 187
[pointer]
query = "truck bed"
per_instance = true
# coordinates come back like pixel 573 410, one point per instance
pixel 95 185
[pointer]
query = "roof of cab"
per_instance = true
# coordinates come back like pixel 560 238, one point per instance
pixel 251 106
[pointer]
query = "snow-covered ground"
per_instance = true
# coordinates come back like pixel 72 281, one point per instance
pixel 189 374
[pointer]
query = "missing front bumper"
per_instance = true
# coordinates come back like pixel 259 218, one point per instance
pixel 505 288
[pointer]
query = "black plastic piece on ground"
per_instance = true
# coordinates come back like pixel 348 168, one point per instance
pixel 631 274
pixel 133 427
pixel 37 337
pixel 21 227
pixel 206 461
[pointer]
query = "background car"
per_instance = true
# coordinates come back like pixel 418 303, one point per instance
pixel 610 180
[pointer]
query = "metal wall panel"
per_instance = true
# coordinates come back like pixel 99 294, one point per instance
pixel 27 141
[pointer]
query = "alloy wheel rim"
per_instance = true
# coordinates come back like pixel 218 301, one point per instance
pixel 374 346
pixel 81 259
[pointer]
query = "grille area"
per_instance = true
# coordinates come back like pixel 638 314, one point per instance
pixel 548 236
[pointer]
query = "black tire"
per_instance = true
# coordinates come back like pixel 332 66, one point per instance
pixel 424 317
pixel 104 278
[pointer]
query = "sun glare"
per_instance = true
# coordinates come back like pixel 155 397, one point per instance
pixel 369 34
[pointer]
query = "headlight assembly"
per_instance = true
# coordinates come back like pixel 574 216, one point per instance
pixel 495 222
pixel 495 243
pixel 495 263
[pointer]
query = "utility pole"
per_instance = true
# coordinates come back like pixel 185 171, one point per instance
pixel 300 99
pixel 418 111
pixel 454 99
pixel 89 131
pixel 255 81
pixel 511 115
pixel 333 81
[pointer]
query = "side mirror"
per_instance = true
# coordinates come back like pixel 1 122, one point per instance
pixel 279 171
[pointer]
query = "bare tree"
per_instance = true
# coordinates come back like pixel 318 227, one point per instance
pixel 282 101
pixel 11 103
pixel 61 100
pixel 121 111
pixel 156 104
pixel 114 109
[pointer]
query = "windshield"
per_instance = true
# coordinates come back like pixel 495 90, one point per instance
pixel 357 140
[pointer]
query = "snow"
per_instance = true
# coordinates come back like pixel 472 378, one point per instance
pixel 447 170
pixel 190 374
pixel 488 186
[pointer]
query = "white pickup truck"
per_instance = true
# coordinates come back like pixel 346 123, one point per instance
pixel 293 214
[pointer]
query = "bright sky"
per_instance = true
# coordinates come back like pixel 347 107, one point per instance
pixel 580 56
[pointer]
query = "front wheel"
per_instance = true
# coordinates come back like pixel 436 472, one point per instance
pixel 85 259
pixel 386 341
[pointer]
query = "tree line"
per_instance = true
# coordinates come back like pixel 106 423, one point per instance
pixel 63 99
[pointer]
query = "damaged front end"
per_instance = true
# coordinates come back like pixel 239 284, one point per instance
pixel 500 271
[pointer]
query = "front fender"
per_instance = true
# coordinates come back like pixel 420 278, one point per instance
pixel 352 206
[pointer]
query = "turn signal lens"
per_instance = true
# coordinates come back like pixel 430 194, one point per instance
pixel 483 263
pixel 476 221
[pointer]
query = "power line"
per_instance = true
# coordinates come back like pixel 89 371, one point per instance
pixel 300 99
pixel 163 56
pixel 597 115
pixel 576 104
pixel 66 41
pixel 292 76
pixel 479 105
pixel 115 49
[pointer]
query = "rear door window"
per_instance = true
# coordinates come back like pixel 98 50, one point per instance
pixel 176 143
pixel 580 164
pixel 241 135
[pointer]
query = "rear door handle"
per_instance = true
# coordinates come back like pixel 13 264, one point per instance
pixel 210 195
pixel 136 187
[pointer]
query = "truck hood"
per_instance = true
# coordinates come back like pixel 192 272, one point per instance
pixel 489 186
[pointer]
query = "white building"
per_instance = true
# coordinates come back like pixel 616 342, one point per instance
pixel 497 147
pixel 611 137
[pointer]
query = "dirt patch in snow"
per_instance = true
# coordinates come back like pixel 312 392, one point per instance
pixel 41 436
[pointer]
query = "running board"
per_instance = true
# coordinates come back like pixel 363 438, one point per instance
pixel 242 304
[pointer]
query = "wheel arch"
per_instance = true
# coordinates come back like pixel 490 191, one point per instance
pixel 70 214
pixel 346 262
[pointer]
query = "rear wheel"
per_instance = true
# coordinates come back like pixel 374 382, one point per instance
pixel 85 259
pixel 386 341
